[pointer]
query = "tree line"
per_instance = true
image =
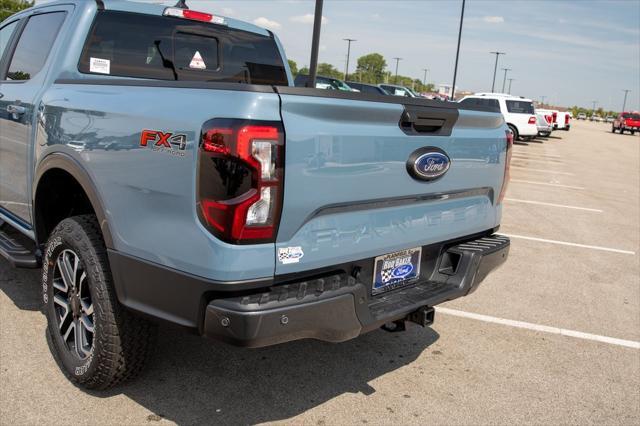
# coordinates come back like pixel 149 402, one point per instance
pixel 371 69
pixel 9 7
pixel 575 110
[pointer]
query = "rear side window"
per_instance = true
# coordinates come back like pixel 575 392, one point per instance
pixel 520 107
pixel 5 35
pixel 34 45
pixel 492 104
pixel 143 46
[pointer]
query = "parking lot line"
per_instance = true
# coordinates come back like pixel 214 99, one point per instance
pixel 542 171
pixel 558 162
pixel 547 184
pixel 566 243
pixel 542 328
pixel 514 200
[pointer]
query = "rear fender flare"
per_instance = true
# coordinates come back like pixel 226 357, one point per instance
pixel 62 161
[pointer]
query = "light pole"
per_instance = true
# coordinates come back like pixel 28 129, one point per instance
pixel 504 80
pixel 397 62
pixel 346 71
pixel 510 80
pixel 593 110
pixel 542 97
pixel 455 68
pixel 315 44
pixel 424 80
pixel 624 103
pixel 495 69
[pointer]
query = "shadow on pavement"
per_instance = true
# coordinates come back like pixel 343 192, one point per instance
pixel 191 380
pixel 22 286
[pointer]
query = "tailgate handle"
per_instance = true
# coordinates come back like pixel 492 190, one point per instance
pixel 419 121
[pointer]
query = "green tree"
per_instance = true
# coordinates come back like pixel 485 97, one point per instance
pixel 371 68
pixel 9 7
pixel 294 67
pixel 304 71
pixel 329 70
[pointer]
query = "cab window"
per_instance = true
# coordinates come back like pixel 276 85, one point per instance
pixel 34 45
pixel 5 36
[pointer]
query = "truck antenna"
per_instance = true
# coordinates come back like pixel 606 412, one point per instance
pixel 182 4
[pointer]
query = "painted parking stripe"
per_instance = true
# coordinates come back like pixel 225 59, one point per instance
pixel 540 203
pixel 542 328
pixel 542 171
pixel 557 185
pixel 523 158
pixel 566 243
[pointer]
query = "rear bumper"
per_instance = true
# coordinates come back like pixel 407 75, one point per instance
pixel 338 306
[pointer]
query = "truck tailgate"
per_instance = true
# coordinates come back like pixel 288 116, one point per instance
pixel 348 194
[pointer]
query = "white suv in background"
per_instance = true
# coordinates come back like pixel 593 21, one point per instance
pixel 518 112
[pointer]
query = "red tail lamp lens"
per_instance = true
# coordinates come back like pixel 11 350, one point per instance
pixel 240 179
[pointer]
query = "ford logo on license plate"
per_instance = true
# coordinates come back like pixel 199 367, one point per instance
pixel 428 163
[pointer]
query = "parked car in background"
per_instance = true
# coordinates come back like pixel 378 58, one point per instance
pixel 610 118
pixel 626 121
pixel 582 116
pixel 544 124
pixel 367 88
pixel 395 90
pixel 563 121
pixel 595 117
pixel 323 82
pixel 518 112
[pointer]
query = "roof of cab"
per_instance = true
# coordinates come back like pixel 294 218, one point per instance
pixel 154 9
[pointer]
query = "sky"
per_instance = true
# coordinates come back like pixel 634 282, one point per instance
pixel 570 52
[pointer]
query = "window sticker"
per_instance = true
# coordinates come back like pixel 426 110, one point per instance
pixel 101 66
pixel 197 62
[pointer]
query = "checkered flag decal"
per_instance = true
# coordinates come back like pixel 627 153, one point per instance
pixel 386 275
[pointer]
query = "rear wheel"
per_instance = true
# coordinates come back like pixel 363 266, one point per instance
pixel 513 129
pixel 613 129
pixel 96 342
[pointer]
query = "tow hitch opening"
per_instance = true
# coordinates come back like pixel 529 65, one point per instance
pixel 423 317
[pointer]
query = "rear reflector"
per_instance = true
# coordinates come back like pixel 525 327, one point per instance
pixel 193 15
pixel 507 166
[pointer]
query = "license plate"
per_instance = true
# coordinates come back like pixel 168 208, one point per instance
pixel 395 270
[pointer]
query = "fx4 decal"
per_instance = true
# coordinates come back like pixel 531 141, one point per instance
pixel 174 144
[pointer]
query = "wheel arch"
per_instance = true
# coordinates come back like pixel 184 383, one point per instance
pixel 63 163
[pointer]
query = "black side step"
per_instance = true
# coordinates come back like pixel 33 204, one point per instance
pixel 15 248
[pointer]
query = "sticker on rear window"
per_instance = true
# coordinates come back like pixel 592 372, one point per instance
pixel 101 66
pixel 197 62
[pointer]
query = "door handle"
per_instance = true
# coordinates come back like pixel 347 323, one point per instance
pixel 16 109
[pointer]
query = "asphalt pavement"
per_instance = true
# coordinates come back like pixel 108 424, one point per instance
pixel 551 337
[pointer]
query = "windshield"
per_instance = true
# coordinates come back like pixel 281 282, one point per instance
pixel 631 116
pixel 164 48
pixel 340 85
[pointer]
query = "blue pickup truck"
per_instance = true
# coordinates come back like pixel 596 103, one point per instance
pixel 158 164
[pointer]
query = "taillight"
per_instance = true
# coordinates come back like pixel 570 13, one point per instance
pixel 177 12
pixel 555 117
pixel 566 119
pixel 548 119
pixel 240 179
pixel 532 120
pixel 507 166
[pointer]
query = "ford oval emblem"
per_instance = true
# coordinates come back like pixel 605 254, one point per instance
pixel 428 163
pixel 402 271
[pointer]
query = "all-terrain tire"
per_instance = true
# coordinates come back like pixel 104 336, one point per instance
pixel 120 342
pixel 513 129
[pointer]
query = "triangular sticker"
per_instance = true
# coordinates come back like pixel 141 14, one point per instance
pixel 197 62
